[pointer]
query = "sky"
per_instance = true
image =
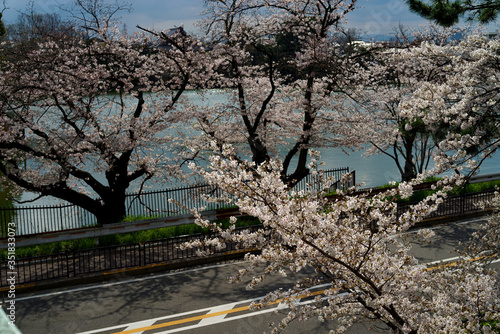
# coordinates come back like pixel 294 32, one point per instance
pixel 371 17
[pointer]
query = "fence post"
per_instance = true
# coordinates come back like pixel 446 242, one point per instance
pixel 142 250
pixel 60 218
pixel 5 222
pixel 462 202
pixel 168 204
pixel 67 264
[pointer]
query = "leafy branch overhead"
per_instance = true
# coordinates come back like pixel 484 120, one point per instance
pixel 448 13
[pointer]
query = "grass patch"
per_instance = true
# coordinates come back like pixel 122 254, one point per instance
pixel 132 218
pixel 420 195
pixel 120 239
pixel 50 248
pixel 395 184
pixel 475 187
pixel 467 189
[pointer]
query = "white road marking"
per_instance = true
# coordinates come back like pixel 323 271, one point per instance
pixel 178 315
pixel 208 321
pixel 238 317
pixel 441 261
pixel 133 280
pixel 140 324
pixel 219 318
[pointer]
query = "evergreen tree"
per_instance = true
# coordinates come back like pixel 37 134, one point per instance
pixel 447 13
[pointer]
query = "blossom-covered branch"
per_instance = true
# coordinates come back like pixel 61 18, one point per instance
pixel 354 243
pixel 84 119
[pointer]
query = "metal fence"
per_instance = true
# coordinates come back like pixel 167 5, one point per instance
pixel 41 219
pixel 102 259
pixel 158 203
pixel 455 205
pixel 44 218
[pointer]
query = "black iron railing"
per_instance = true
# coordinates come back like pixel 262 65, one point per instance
pixel 103 259
pixel 44 218
pixel 455 205
pixel 162 203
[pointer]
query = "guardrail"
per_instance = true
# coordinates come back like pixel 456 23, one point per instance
pixel 484 178
pixel 115 228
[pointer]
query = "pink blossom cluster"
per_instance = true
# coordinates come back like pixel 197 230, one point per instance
pixel 356 244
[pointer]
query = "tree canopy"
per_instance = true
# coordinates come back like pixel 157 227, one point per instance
pixel 84 119
pixel 448 13
pixel 282 62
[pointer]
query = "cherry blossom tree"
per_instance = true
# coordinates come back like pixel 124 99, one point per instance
pixel 378 113
pixel 463 109
pixel 356 245
pixel 374 116
pixel 85 119
pixel 272 111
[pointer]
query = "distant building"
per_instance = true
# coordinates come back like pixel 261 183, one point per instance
pixel 361 44
pixel 175 38
pixel 177 30
pixel 168 37
pixel 493 34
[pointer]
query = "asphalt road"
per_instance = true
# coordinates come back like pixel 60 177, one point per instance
pixel 191 301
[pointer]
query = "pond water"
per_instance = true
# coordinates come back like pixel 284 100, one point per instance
pixel 371 171
pixel 379 169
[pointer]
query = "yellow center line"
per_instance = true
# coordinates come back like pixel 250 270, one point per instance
pixel 209 315
pixel 453 264
pixel 245 308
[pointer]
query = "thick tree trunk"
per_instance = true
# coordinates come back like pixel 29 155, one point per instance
pixel 301 146
pixel 409 171
pixel 301 170
pixel 108 208
pixel 259 151
pixel 112 210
